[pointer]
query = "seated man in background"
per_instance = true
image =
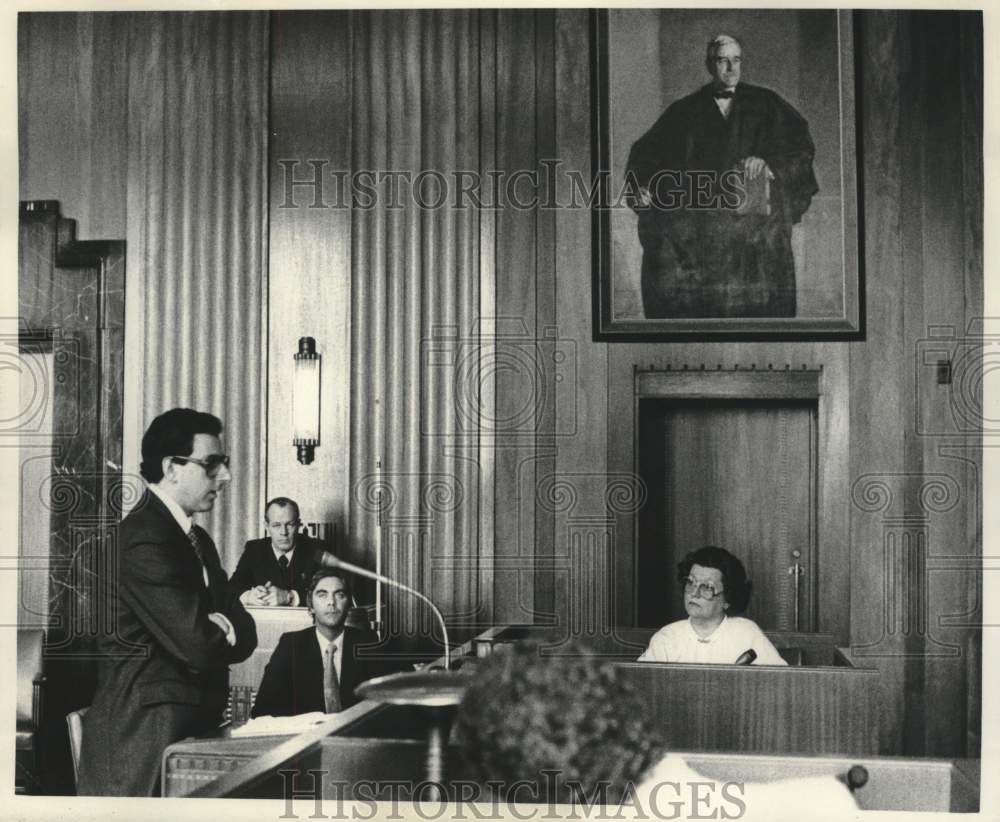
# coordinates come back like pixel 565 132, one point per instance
pixel 276 570
pixel 568 728
pixel 715 586
pixel 318 668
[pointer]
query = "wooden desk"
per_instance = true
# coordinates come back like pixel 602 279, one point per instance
pixel 391 768
pixel 822 705
pixel 811 707
pixel 760 709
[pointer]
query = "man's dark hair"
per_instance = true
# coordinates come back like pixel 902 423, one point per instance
pixel 322 574
pixel 572 713
pixel 172 435
pixel 282 502
pixel 736 586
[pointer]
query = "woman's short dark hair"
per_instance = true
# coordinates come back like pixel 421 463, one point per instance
pixel 527 717
pixel 736 586
pixel 172 435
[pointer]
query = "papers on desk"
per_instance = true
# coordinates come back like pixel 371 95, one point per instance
pixel 280 725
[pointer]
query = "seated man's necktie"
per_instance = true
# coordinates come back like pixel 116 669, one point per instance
pixel 331 683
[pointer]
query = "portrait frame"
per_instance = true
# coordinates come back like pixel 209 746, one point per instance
pixel 629 93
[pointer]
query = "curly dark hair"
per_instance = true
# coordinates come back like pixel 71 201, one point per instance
pixel 526 713
pixel 172 435
pixel 736 586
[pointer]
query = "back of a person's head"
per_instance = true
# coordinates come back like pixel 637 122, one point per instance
pixel 565 711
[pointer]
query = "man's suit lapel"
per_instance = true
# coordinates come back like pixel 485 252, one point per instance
pixel 737 121
pixel 216 576
pixel 348 668
pixel 271 561
pixel 179 542
pixel 312 672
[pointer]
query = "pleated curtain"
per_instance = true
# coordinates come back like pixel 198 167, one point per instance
pixel 197 152
pixel 416 339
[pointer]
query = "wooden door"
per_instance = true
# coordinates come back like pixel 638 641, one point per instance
pixel 738 474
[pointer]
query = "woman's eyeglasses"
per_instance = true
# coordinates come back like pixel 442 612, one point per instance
pixel 705 590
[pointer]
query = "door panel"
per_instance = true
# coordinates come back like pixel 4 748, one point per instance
pixel 740 475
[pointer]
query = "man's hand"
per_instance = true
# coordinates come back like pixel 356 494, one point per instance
pixel 225 625
pixel 755 166
pixel 277 596
pixel 254 596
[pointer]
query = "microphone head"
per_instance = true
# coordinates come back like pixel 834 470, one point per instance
pixel 747 657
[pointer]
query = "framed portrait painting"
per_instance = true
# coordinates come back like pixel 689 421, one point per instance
pixel 727 175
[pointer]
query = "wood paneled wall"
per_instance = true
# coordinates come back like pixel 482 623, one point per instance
pixel 130 122
pixel 900 481
pixel 309 284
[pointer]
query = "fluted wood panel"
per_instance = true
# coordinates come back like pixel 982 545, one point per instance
pixel 517 395
pixel 414 311
pixel 195 241
pixel 309 249
pixel 971 106
pixel 950 295
pixel 72 116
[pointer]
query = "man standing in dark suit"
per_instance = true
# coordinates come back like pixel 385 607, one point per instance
pixel 318 668
pixel 172 612
pixel 276 570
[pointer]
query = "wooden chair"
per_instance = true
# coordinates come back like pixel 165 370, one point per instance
pixel 75 722
pixel 30 678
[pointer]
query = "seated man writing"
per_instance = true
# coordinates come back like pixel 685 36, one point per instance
pixel 318 668
pixel 276 570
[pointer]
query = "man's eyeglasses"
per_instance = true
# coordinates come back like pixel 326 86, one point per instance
pixel 705 590
pixel 212 463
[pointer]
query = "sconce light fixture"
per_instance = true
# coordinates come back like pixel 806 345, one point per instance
pixel 305 400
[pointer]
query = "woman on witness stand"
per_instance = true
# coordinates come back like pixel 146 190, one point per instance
pixel 715 588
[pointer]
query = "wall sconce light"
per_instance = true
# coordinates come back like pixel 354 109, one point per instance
pixel 305 400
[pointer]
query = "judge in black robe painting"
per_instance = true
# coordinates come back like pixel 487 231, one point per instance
pixel 717 184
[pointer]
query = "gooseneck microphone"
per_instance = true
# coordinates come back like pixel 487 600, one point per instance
pixel 747 657
pixel 328 560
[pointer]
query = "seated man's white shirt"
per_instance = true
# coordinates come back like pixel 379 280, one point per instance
pixel 671 789
pixel 679 642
